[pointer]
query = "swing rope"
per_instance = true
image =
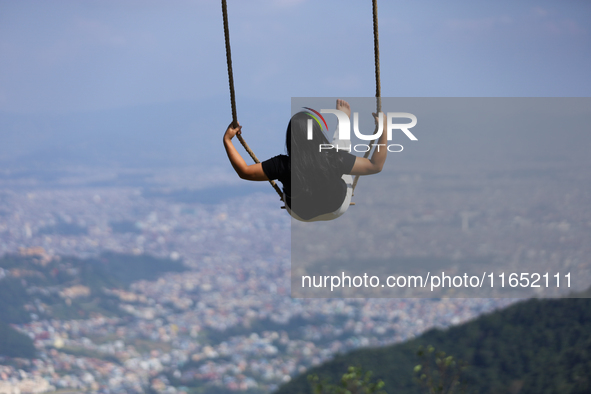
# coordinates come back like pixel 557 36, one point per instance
pixel 376 52
pixel 233 95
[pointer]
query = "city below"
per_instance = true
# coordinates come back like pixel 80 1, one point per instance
pixel 227 318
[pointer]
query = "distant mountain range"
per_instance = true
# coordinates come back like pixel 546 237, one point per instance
pixel 533 347
pixel 188 133
pixel 150 136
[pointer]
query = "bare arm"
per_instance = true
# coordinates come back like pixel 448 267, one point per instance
pixel 253 172
pixel 374 165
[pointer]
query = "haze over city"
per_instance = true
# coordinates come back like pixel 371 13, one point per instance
pixel 111 124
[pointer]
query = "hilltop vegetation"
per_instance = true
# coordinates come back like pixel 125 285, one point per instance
pixel 34 287
pixel 14 343
pixel 536 346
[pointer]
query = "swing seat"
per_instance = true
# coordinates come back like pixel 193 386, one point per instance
pixel 351 203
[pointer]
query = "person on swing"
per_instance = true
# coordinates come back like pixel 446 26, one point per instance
pixel 317 183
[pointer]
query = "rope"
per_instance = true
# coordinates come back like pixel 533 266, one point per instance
pixel 233 95
pixel 376 53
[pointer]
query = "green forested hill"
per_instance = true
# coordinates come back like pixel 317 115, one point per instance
pixel 14 343
pixel 28 283
pixel 534 347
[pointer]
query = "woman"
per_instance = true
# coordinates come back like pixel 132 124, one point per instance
pixel 317 184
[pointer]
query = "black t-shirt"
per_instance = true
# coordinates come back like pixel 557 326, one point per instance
pixel 324 197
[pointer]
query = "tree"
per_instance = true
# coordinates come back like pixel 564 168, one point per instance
pixel 441 378
pixel 352 382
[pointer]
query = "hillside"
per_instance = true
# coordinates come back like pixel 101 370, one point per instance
pixel 35 287
pixel 536 346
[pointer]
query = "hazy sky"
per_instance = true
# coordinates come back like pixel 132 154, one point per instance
pixel 64 57
pixel 88 55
